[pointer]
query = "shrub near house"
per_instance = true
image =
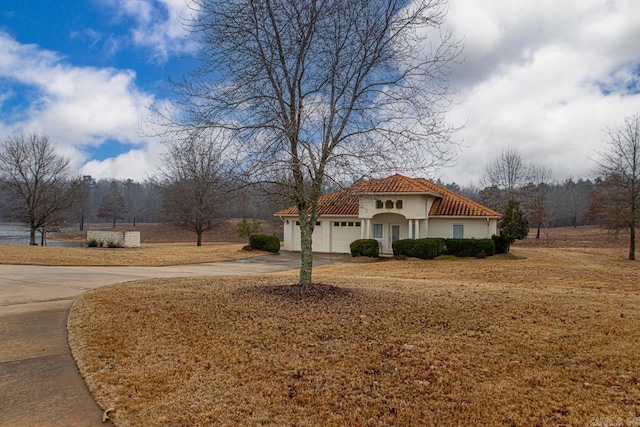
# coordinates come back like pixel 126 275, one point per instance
pixel 364 247
pixel 265 243
pixel 431 248
pixel 470 247
pixel 419 248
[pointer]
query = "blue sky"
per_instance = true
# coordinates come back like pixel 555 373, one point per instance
pixel 547 77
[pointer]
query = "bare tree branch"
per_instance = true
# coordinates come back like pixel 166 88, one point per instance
pixel 37 183
pixel 616 201
pixel 323 88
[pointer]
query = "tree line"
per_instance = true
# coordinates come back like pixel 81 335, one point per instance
pixel 611 200
pixel 39 190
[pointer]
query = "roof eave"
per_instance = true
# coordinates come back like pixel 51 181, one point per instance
pixel 466 216
pixel 397 193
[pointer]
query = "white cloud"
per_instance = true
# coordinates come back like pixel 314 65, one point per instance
pixel 159 25
pixel 137 164
pixel 77 107
pixel 544 77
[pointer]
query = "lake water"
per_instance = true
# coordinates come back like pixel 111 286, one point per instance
pixel 16 234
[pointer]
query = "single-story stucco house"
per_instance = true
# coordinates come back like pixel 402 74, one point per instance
pixel 390 209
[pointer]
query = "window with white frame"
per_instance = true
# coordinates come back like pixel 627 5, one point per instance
pixel 377 231
pixel 458 231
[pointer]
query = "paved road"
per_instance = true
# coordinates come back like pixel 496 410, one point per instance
pixel 39 382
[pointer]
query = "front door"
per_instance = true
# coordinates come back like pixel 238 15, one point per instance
pixel 395 235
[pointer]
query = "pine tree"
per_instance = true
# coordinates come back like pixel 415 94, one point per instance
pixel 514 224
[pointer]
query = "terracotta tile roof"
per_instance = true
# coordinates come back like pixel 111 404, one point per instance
pixel 453 204
pixel 341 202
pixel 392 185
pixel 447 202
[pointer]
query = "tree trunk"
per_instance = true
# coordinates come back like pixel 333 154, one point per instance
pixel 632 243
pixel 82 222
pixel 306 254
pixel 32 236
pixel 199 233
pixel 538 233
pixel 114 222
pixel 134 221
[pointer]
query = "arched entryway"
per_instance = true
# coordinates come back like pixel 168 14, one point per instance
pixel 386 228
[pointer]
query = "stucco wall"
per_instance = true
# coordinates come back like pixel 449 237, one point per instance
pixel 413 206
pixel 125 239
pixel 478 228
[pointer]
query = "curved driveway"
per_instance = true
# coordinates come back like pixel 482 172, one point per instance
pixel 39 382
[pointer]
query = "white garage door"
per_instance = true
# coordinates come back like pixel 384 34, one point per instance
pixel 342 234
pixel 317 237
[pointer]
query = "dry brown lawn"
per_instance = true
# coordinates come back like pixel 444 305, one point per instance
pixel 548 336
pixel 162 244
pixel 150 254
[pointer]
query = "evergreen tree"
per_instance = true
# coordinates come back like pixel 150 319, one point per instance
pixel 514 224
pixel 248 227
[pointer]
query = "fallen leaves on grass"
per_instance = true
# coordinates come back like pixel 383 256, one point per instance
pixel 535 341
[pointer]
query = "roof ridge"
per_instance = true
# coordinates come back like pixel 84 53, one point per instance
pixel 414 181
pixel 465 199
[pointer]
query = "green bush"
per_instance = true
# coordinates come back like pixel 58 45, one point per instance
pixel 428 248
pixel 111 244
pixel 265 243
pixel 470 247
pixel 365 247
pixel 403 247
pixel 92 243
pixel 419 248
pixel 501 243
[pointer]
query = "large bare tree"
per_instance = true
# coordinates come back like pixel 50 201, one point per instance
pixel 38 186
pixel 193 182
pixel 617 196
pixel 322 90
pixel 503 178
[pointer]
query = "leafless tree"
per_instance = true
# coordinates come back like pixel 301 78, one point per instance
pixel 135 199
pixel 112 206
pixel 505 175
pixel 617 196
pixel 192 182
pixel 84 204
pixel 38 184
pixel 322 90
pixel 570 202
pixel 535 196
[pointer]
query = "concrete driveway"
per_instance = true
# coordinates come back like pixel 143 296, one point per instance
pixel 39 381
